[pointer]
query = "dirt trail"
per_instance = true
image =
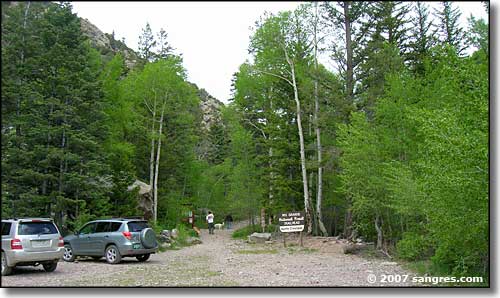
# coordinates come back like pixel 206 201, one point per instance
pixel 222 261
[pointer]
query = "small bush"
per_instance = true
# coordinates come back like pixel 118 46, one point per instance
pixel 413 247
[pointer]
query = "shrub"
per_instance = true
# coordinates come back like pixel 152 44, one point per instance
pixel 413 247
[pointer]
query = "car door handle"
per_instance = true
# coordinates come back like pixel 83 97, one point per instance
pixel 106 236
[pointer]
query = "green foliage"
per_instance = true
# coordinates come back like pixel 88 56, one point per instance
pixel 413 247
pixel 421 164
pixel 404 128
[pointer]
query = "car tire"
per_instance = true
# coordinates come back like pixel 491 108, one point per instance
pixel 69 255
pixel 143 258
pixel 112 255
pixel 148 238
pixel 50 267
pixel 6 270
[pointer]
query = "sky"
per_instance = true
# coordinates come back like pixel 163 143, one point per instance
pixel 212 37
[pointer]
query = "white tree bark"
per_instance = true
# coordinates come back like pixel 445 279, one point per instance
pixel 155 188
pixel 319 193
pixel 307 203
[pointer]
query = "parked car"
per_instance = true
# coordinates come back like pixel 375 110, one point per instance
pixel 113 239
pixel 30 242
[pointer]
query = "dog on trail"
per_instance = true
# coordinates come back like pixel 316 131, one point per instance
pixel 219 226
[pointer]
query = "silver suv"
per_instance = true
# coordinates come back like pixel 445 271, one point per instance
pixel 30 242
pixel 112 239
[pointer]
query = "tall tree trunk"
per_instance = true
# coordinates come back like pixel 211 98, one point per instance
pixel 307 203
pixel 349 52
pixel 271 173
pixel 46 169
pixel 21 78
pixel 319 190
pixel 348 233
pixel 271 181
pixel 155 188
pixel 152 154
pixel 380 237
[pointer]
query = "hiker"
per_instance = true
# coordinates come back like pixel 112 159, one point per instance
pixel 229 221
pixel 210 221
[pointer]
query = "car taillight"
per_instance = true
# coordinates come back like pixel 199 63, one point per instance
pixel 127 235
pixel 16 244
pixel 61 242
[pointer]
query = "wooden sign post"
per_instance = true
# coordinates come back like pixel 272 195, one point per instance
pixel 291 222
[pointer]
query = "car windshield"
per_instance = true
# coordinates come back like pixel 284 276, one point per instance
pixel 37 228
pixel 137 226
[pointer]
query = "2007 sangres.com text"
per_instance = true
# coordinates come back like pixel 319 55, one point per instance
pixel 401 278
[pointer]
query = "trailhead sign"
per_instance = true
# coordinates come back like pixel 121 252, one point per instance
pixel 291 221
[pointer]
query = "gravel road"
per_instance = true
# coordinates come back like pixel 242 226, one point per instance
pixel 223 262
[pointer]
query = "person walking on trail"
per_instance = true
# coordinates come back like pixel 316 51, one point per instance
pixel 210 221
pixel 229 221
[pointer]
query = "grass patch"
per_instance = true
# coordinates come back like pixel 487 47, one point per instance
pixel 304 250
pixel 428 268
pixel 211 273
pixel 257 251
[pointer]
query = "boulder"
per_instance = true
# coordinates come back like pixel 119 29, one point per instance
pixel 164 239
pixel 144 197
pixel 193 241
pixel 165 233
pixel 353 248
pixel 259 237
pixel 174 234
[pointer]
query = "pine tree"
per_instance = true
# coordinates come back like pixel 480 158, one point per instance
pixel 421 38
pixel 63 168
pixel 448 26
pixel 147 44
pixel 164 47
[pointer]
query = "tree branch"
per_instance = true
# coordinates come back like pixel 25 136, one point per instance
pixel 274 75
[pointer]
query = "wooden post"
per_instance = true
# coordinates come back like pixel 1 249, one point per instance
pixel 301 242
pixel 284 239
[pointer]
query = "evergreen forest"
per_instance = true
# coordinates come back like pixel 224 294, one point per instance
pixel 388 141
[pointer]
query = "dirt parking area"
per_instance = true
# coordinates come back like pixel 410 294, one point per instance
pixel 223 262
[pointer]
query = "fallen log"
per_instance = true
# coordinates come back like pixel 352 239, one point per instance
pixel 353 248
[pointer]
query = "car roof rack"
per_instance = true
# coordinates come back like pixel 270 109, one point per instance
pixel 32 218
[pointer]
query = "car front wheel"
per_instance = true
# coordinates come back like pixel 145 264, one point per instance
pixel 49 267
pixel 113 255
pixel 6 270
pixel 68 255
pixel 143 258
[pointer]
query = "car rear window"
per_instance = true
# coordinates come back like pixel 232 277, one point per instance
pixel 137 226
pixel 36 228
pixel 6 228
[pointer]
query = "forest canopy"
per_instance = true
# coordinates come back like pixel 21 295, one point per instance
pixel 391 145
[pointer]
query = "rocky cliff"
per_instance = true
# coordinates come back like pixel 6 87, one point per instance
pixel 210 108
pixel 108 45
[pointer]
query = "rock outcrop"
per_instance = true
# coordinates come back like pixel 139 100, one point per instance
pixel 108 45
pixel 144 198
pixel 210 109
